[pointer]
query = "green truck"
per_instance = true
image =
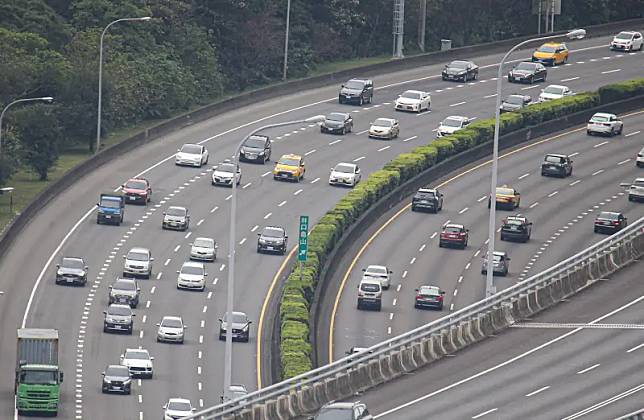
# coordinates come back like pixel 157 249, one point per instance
pixel 38 375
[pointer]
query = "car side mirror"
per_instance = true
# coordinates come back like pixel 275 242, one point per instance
pixel 60 376
pixel 442 292
pixel 185 326
pixel 391 272
pixel 221 320
pixel 205 274
pixel 364 270
pixel 416 289
pixel 103 373
pixel 152 259
pixel 105 312
pixel 164 213
pixel 138 289
pixel 57 265
pixel 178 150
pixel 122 356
pixel 151 357
pixel 86 268
pixel 97 204
pixel 158 324
pixel 133 314
pixel 109 287
pixel 285 236
pixel 357 171
pixel 341 86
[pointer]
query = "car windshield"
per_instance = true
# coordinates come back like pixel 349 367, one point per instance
pixel 428 290
pixel 226 167
pixel 546 49
pixel 496 258
pixel 179 406
pixel 526 66
pixel 192 270
pixel 119 310
pixel 452 122
pixel 504 191
pixel 600 118
pixel 258 142
pixel 117 371
pixel 624 35
pixel 353 84
pixel 204 243
pixel 452 229
pixel 137 355
pixel 124 285
pixel 383 122
pixel 273 233
pixel 556 90
pixel 514 100
pixel 191 149
pixel 238 318
pixel 369 287
pixel 135 185
pixel 289 162
pixel 410 95
pixel 638 183
pixel 381 271
pixel 176 211
pixel 73 263
pixel 458 64
pixel 334 116
pixel 137 256
pixel 554 159
pixel 171 323
pixel 110 203
pixel 608 215
pixel 39 377
pixel 514 222
pixel 345 169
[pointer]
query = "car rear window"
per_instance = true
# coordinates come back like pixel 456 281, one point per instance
pixel 452 229
pixel 554 159
pixel 369 287
pixel 608 215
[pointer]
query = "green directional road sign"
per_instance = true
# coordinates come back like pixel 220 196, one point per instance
pixel 304 238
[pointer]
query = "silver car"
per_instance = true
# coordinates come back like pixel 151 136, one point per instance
pixel 501 263
pixel 171 329
pixel 378 272
pixel 138 262
pixel 175 217
pixel 125 291
pixel 203 249
pixel 192 276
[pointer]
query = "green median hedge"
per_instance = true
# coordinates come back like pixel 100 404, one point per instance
pixel 300 286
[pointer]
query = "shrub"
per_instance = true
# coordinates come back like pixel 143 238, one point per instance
pixel 622 90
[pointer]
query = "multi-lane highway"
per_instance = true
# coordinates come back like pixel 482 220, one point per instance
pixel 195 369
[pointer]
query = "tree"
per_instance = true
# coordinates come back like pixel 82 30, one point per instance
pixel 40 136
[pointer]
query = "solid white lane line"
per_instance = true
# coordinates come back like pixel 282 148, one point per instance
pixel 611 71
pixel 524 175
pixel 632 134
pixel 635 348
pixel 581 372
pixel 606 402
pixel 484 413
pixel 537 391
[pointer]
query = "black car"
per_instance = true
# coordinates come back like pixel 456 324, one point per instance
pixel 125 291
pixel 515 102
pixel 117 378
pixel 556 165
pixel 343 411
pixel 71 270
pixel 337 122
pixel 272 239
pixel 460 71
pixel 427 199
pixel 516 228
pixel 240 326
pixel 610 222
pixel 429 297
pixel 256 148
pixel 358 91
pixel 118 318
pixel 527 72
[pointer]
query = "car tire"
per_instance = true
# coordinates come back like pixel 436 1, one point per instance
pixel 379 306
pixel 440 244
pixel 361 101
pixel 590 133
pixel 359 305
pixel 531 81
pixel 413 208
pixel 620 130
pixel 105 329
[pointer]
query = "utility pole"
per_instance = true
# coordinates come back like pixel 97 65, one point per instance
pixel 421 25
pixel 398 27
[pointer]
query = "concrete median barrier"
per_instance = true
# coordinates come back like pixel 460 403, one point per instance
pixel 319 394
pixel 374 372
pixel 344 385
pixel 385 368
pixel 544 297
pixel 397 365
pixel 408 361
pixel 283 407
pixel 306 399
pixel 417 354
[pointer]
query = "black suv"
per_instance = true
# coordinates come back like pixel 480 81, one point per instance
pixel 256 149
pixel 116 378
pixel 427 199
pixel 516 228
pixel 118 318
pixel 557 165
pixel 125 291
pixel 272 239
pixel 71 270
pixel 357 90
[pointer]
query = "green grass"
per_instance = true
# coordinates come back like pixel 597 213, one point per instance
pixel 331 67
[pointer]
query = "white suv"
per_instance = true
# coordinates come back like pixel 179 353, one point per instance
pixel 639 162
pixel 138 262
pixel 603 123
pixel 370 294
pixel 378 272
pixel 627 41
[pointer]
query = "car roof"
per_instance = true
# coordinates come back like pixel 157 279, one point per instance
pixel 291 156
pixel 553 44
pixel 353 165
pixel 346 405
pixel 456 117
pixel 603 114
pixel 139 249
pixel 414 91
pixel 504 187
pixel 193 264
pixel 639 179
pixel 72 258
pixel 237 388
pixel 275 228
pixel 369 280
pixel 137 179
pixel 517 217
pixel 374 266
pixel 180 400
pixel 137 350
pixel 172 318
pixel 178 208
pixel 426 190
pixel 126 279
pixel 556 155
pixel 191 144
pixel 557 86
pixel 612 213
pixel 628 32
pixel 429 287
pixel 344 114
pixel 460 61
pixel 446 225
pixel 385 118
pixel 519 95
pixel 119 305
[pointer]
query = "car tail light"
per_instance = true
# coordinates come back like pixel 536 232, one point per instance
pixel 439 297
pixel 419 296
pixel 616 222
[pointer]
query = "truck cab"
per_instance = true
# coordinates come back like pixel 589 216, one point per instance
pixel 111 209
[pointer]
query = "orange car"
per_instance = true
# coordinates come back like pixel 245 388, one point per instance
pixel 551 53
pixel 506 197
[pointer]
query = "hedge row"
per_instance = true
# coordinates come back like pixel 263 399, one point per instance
pixel 300 285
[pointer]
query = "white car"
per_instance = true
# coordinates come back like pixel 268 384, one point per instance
pixel 413 100
pixel 384 128
pixel 554 92
pixel 639 161
pixel 345 174
pixel 238 391
pixel 177 408
pixel 204 249
pixel 627 41
pixel 378 272
pixel 192 276
pixel 138 262
pixel 138 362
pixel 191 155
pixel 603 123
pixel 224 173
pixel 171 329
pixel 635 190
pixel 451 125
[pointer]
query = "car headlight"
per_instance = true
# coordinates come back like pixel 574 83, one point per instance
pixel 107 381
pixel 241 152
pixel 262 241
pixel 462 73
pixel 127 381
pixel 261 153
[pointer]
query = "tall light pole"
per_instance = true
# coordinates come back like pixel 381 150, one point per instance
pixel 46 99
pixel 288 23
pixel 231 254
pixel 100 75
pixel 489 281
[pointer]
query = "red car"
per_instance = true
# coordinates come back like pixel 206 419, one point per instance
pixel 453 235
pixel 137 190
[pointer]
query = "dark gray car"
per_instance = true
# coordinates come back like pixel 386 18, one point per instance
pixel 427 199
pixel 116 378
pixel 358 91
pixel 337 122
pixel 515 102
pixel 343 411
pixel 240 326
pixel 118 318
pixel 125 291
pixel 272 239
pixel 71 270
pixel 256 149
pixel 556 165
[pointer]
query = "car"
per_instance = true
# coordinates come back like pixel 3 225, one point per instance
pixel 177 408
pixel 116 378
pixel 556 165
pixel 237 391
pixel 125 291
pixel 384 128
pixel 427 199
pixel 627 41
pixel 225 172
pixel 554 92
pixel 345 174
pixel 635 190
pixel 609 222
pixel 240 326
pixel 272 239
pixel 506 198
pixel 527 72
pixel 453 235
pixel 137 190
pixel 551 53
pixel 176 217
pixel 171 330
pixel 413 100
pixel 343 411
pixel 378 272
pixel 429 297
pixel 357 90
pixel 138 262
pixel 516 228
pixel 605 124
pixel 355 350
pixel 256 148
pixel 203 249
pixel 370 294
pixel 515 102
pixel 289 167
pixel 460 70
pixel 191 155
pixel 192 276
pixel 337 123
pixel 639 160
pixel 139 363
pixel 501 264
pixel 451 125
pixel 71 270
pixel 118 318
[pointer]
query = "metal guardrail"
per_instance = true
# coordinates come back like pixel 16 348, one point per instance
pixel 468 313
pixel 635 415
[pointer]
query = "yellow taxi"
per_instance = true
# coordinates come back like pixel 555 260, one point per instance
pixel 289 167
pixel 551 53
pixel 506 197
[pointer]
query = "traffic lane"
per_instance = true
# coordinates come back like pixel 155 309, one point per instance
pixel 440 381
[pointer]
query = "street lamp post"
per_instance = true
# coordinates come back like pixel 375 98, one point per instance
pixel 46 99
pixel 288 22
pixel 231 253
pixel 490 289
pixel 100 74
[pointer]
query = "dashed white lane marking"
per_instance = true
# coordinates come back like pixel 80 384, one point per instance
pixel 188 235
pixel 455 292
pixel 624 161
pixel 201 339
pixel 533 205
pixel 573 154
pixel 361 132
pixel 422 247
pixel 467 266
pixel 412 261
pixel 460 278
pixel 570 79
pixel 198 370
pixel 200 403
pixel 176 248
pixel 389 330
pixel 635 348
pixel 159 275
pixel 315 180
pixel 268 215
pixel 410 138
pixel 209 295
pixel 524 175
pixel 485 413
pixel 223 266
pixel 247 185
pixel 552 194
pixel 200 222
pixel 463 210
pixel 214 209
pixel 153 289
pixel 572 184
pixel 451 307
pixel 242 241
pixel 398 287
pixel 281 204
pixel 298 191
pixel 140 415
pixel 202 323
pixel 358 159
pixel 458 103
pixel 199 386
pixel 433 235
pixel 141 334
pixel 588 369
pixel 167 262
pixel 383 148
pixel 310 152
pixel 611 71
pixel 597 172
pixel 391 316
pixel 530 87
pixel 580 62
pixel 395 301
pixel 632 134
pixel 490 96
pixel 266 174
pixel 205 308
pixel 140 398
pixel 335 142
pixel 482 198
pixel 254 228
pixel 600 144
pixel 404 274
pixel 478 251
pixel 540 389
